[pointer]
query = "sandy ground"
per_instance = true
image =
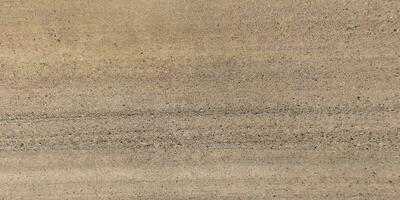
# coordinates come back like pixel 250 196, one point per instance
pixel 200 99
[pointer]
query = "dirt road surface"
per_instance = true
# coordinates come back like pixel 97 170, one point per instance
pixel 200 99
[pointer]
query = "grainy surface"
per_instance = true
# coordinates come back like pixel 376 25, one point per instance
pixel 200 99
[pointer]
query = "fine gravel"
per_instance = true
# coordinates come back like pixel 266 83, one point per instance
pixel 200 99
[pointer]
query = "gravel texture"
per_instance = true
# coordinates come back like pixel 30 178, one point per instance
pixel 200 99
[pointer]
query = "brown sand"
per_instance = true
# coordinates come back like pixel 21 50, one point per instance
pixel 200 99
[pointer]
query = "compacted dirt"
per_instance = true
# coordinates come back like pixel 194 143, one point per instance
pixel 200 99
